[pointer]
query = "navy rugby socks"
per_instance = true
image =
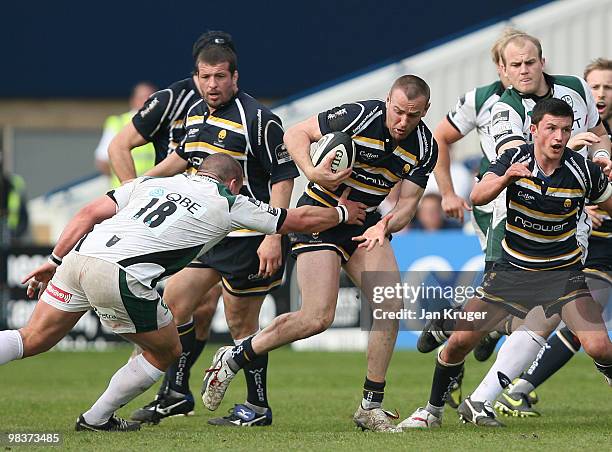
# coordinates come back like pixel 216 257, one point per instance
pixel 178 373
pixel 373 394
pixel 445 377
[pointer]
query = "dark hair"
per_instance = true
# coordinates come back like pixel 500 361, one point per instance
pixel 222 166
pixel 412 86
pixel 214 47
pixel 553 107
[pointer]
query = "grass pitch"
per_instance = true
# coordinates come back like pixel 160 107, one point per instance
pixel 313 396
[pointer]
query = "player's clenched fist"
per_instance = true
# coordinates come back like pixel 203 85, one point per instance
pixel 516 171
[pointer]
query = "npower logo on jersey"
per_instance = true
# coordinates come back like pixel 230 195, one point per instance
pixel 59 294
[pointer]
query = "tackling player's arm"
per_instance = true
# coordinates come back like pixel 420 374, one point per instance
pixel 452 204
pixel 93 213
pixel 259 216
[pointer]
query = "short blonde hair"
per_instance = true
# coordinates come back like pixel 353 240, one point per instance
pixel 520 37
pixel 600 64
pixel 506 33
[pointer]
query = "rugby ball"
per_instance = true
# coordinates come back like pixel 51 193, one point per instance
pixel 340 145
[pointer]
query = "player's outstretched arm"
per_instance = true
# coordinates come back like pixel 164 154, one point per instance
pixel 93 213
pixel 452 204
pixel 298 139
pixel 317 219
pixel 491 185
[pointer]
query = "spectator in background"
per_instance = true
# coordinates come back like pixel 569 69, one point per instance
pixel 144 156
pixel 430 216
pixel 13 206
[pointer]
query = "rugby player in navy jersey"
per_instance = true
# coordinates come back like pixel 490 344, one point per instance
pixel 249 264
pixel 563 345
pixel 547 186
pixel 393 146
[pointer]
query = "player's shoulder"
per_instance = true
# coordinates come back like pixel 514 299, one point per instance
pixel 569 81
pixel 254 109
pixel 185 84
pixel 511 99
pixel 485 92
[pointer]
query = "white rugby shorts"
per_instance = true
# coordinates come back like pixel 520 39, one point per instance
pixel 121 302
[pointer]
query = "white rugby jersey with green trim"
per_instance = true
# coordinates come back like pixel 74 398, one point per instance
pixel 473 111
pixel 511 115
pixel 543 211
pixel 162 224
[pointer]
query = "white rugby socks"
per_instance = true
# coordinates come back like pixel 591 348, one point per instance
pixel 11 346
pixel 131 380
pixel 518 351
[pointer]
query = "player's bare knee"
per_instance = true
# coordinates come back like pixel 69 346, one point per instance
pixel 598 347
pixel 459 346
pixel 321 322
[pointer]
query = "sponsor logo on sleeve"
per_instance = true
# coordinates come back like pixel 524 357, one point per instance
pixel 602 182
pixel 282 154
pixel 500 116
pixel 272 210
pixel 112 241
pixel 501 129
pixel 336 114
pixel 257 202
pixel 149 108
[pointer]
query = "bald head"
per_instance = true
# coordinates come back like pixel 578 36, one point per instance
pixel 222 167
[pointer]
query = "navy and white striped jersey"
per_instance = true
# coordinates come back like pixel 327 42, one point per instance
pixel 380 162
pixel 161 119
pixel 542 211
pixel 246 130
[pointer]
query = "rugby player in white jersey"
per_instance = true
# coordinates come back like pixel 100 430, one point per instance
pixel 142 232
